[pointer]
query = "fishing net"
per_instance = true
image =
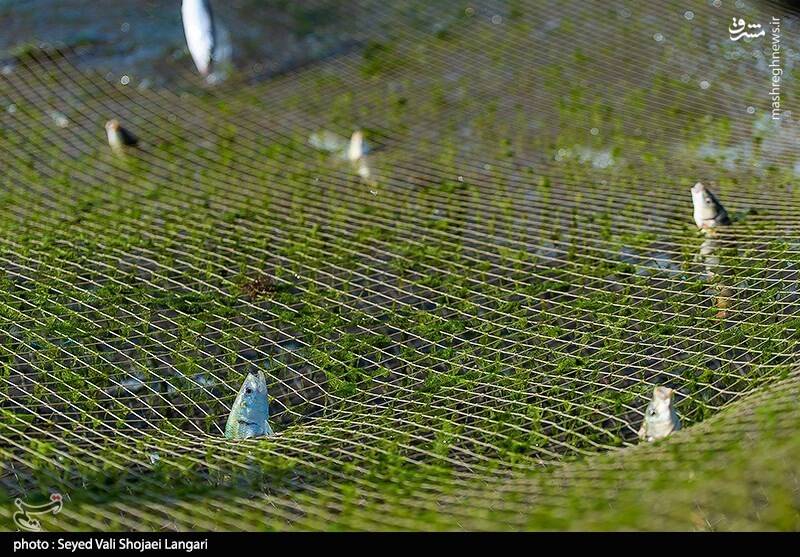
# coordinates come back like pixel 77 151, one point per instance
pixel 463 336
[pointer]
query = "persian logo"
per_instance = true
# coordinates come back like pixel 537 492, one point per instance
pixel 739 29
pixel 25 516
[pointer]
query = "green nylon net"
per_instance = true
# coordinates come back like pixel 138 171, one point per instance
pixel 467 338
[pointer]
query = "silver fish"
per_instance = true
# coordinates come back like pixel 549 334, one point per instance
pixel 59 119
pixel 118 137
pixel 201 37
pixel 708 211
pixel 660 418
pixel 354 151
pixel 249 415
pixel 356 148
pixel 330 142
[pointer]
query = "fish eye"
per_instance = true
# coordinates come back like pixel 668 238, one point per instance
pixel 248 390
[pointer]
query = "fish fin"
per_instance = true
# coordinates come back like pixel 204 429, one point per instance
pixel 128 138
pixel 261 381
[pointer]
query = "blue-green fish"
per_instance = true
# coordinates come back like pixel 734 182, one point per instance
pixel 250 411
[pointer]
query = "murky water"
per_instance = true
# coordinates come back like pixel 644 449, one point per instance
pixel 145 38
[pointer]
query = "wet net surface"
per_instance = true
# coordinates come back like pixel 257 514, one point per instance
pixel 467 336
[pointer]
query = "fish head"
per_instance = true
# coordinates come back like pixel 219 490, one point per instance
pixel 356 147
pixel 705 205
pixel 662 400
pixel 252 402
pixel 702 197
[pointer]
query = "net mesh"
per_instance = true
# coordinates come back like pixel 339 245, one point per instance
pixel 467 336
